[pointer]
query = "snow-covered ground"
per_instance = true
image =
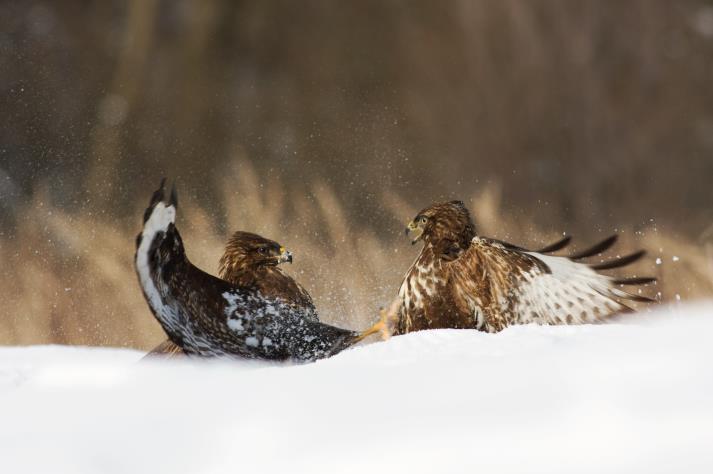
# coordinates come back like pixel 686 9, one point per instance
pixel 635 396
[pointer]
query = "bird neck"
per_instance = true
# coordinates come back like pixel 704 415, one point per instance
pixel 447 248
pixel 248 275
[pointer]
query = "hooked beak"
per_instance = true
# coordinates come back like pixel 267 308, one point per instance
pixel 285 256
pixel 414 232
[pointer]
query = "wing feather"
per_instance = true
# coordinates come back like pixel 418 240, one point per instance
pixel 515 286
pixel 559 245
pixel 601 247
pixel 619 262
pixel 167 349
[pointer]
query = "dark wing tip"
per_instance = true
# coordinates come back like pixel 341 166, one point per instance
pixel 639 298
pixel 156 197
pixel 619 262
pixel 634 281
pixel 596 249
pixel 559 245
pixel 174 196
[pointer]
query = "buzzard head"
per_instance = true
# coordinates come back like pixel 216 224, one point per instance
pixel 247 251
pixel 443 224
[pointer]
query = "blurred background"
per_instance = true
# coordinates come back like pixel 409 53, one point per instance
pixel 326 125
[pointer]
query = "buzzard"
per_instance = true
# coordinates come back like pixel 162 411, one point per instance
pixel 463 280
pixel 251 261
pixel 207 316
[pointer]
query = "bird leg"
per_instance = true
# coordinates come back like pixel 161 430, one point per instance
pixel 381 326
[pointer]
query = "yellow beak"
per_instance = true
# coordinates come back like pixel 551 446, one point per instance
pixel 414 232
pixel 285 255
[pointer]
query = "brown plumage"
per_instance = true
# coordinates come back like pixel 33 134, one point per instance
pixel 461 280
pixel 251 261
pixel 210 317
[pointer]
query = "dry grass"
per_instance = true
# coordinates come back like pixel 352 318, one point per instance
pixel 69 278
pixel 596 107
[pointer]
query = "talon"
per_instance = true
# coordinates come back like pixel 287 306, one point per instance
pixel 384 323
pixel 381 326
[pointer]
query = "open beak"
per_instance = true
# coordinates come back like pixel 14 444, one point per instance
pixel 285 256
pixel 414 232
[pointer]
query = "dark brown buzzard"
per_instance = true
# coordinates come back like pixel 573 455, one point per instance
pixel 251 261
pixel 462 280
pixel 207 316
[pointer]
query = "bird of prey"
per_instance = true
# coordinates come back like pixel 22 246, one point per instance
pixel 463 280
pixel 251 261
pixel 207 316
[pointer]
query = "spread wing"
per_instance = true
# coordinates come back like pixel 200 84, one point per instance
pixel 503 285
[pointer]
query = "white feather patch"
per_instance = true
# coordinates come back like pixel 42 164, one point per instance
pixel 159 220
pixel 572 293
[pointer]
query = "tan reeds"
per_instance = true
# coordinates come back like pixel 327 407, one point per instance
pixel 69 277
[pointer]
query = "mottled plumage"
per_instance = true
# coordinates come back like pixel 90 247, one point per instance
pixel 461 280
pixel 207 316
pixel 251 261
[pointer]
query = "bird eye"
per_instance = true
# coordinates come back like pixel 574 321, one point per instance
pixel 262 250
pixel 422 219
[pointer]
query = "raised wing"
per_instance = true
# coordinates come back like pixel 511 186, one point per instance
pixel 207 316
pixel 504 285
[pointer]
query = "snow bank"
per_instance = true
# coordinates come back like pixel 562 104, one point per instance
pixel 635 396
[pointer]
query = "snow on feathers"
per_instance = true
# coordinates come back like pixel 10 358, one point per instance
pixel 207 316
pixel 251 261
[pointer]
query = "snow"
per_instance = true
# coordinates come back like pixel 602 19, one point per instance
pixel 633 396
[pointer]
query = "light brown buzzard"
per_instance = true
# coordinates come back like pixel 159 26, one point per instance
pixel 462 280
